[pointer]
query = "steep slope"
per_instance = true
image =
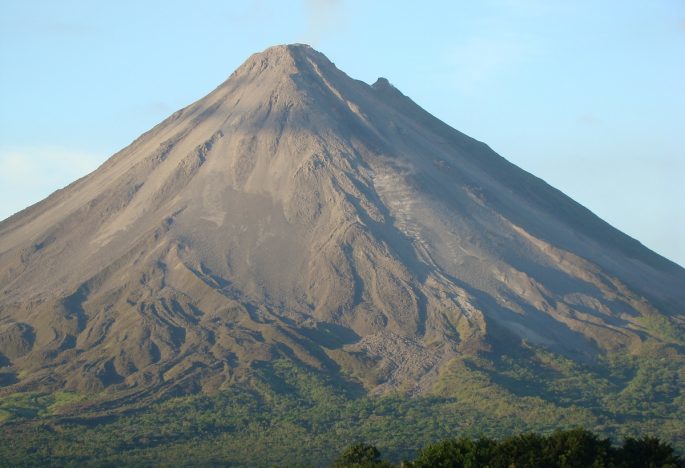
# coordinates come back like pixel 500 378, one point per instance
pixel 294 212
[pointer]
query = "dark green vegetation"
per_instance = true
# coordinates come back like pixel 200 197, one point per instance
pixel 288 414
pixel 360 455
pixel 573 448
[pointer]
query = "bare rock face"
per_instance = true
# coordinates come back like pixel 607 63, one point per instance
pixel 297 212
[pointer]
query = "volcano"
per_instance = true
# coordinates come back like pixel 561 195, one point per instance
pixel 295 213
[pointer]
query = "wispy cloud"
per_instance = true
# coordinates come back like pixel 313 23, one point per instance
pixel 157 109
pixel 29 174
pixel 530 8
pixel 323 16
pixel 587 119
pixel 478 60
pixel 493 47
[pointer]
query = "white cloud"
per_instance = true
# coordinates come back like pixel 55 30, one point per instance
pixel 323 17
pixel 491 48
pixel 27 175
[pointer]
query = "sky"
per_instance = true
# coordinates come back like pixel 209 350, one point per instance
pixel 587 95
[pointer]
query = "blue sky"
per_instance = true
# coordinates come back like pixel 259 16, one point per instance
pixel 588 95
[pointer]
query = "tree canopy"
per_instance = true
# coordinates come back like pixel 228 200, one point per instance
pixel 575 448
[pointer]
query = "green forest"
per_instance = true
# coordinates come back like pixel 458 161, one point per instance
pixel 289 414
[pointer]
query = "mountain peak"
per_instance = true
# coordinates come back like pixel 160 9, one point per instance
pixel 297 212
pixel 284 57
pixel 280 52
pixel 286 49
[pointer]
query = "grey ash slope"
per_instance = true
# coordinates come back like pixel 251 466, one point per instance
pixel 296 212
